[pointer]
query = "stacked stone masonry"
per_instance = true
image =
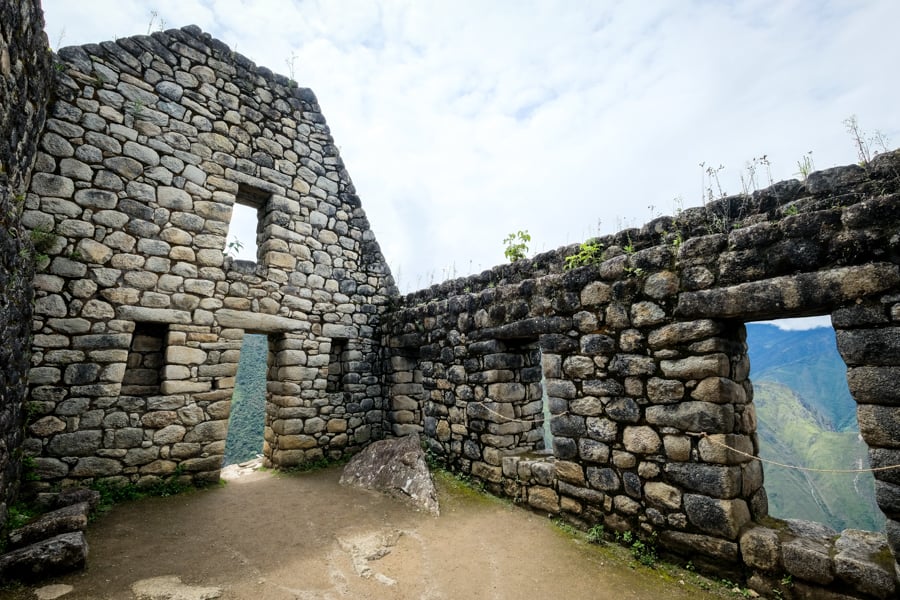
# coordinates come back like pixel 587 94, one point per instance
pixel 608 393
pixel 139 311
pixel 25 74
pixel 644 366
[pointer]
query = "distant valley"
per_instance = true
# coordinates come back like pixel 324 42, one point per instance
pixel 807 417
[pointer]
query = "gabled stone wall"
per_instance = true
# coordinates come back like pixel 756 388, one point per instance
pixel 139 312
pixel 645 369
pixel 25 73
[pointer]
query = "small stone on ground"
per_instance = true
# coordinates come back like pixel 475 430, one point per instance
pixel 51 592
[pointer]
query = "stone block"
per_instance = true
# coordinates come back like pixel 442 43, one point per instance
pixel 570 472
pixel 722 518
pixel 715 449
pixel 662 495
pixel 664 391
pixel 623 410
pixel 690 543
pixel 700 417
pixel 92 466
pixel 603 479
pixel 631 365
pixel 761 549
pixel 588 406
pixel 879 425
pixel 593 451
pixel 875 385
pixel 711 480
pixel 719 390
pixel 870 347
pixel 809 559
pixel 641 440
pixel 78 443
pixel 697 367
pixel 543 498
pixel 601 429
pixel 855 563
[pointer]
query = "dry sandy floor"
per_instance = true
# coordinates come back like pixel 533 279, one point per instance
pixel 266 536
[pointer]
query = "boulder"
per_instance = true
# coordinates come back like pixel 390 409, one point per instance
pixel 396 467
pixel 55 556
pixel 64 520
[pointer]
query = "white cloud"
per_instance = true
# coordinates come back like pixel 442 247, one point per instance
pixel 462 121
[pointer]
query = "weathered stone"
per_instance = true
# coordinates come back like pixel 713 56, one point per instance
pixel 712 480
pixel 396 467
pixel 662 495
pixel 808 559
pixel 761 549
pixel 641 440
pixel 700 417
pixel 855 564
pixel 719 390
pixel 55 556
pixel 62 520
pixel 723 518
pixel 697 367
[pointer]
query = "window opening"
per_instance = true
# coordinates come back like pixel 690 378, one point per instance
pixel 806 417
pixel 246 424
pixel 143 373
pixel 245 230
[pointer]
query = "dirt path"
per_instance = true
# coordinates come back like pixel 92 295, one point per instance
pixel 280 537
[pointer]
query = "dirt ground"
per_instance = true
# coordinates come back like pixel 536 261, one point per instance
pixel 266 536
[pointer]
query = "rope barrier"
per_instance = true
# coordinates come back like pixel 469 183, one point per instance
pixel 723 445
pixel 795 467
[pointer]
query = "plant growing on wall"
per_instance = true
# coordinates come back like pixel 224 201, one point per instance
pixel 516 245
pixel 589 253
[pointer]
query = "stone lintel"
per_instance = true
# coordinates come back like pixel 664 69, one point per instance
pixel 143 314
pixel 803 294
pixel 250 321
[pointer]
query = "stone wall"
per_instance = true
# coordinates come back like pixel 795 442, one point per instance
pixel 645 373
pixel 610 393
pixel 139 312
pixel 25 68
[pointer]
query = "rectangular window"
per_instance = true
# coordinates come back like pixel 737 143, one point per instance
pixel 245 230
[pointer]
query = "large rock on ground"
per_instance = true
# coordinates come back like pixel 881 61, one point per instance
pixel 396 467
pixel 55 556
pixel 63 520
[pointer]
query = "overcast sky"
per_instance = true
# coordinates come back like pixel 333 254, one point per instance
pixel 461 122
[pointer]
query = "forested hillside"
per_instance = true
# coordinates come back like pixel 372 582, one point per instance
pixel 807 417
pixel 248 403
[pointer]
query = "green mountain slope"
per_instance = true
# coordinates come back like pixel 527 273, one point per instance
pixel 248 403
pixel 806 417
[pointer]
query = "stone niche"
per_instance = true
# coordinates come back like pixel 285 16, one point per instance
pixel 644 374
pixel 139 312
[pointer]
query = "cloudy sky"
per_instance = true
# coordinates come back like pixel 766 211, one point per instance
pixel 461 121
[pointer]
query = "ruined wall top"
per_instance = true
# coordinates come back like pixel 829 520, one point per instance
pixel 739 221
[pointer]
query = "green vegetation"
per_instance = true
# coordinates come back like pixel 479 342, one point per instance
pixel 516 245
pixel 807 418
pixel 643 551
pixel 589 253
pixel 805 166
pixel 248 402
